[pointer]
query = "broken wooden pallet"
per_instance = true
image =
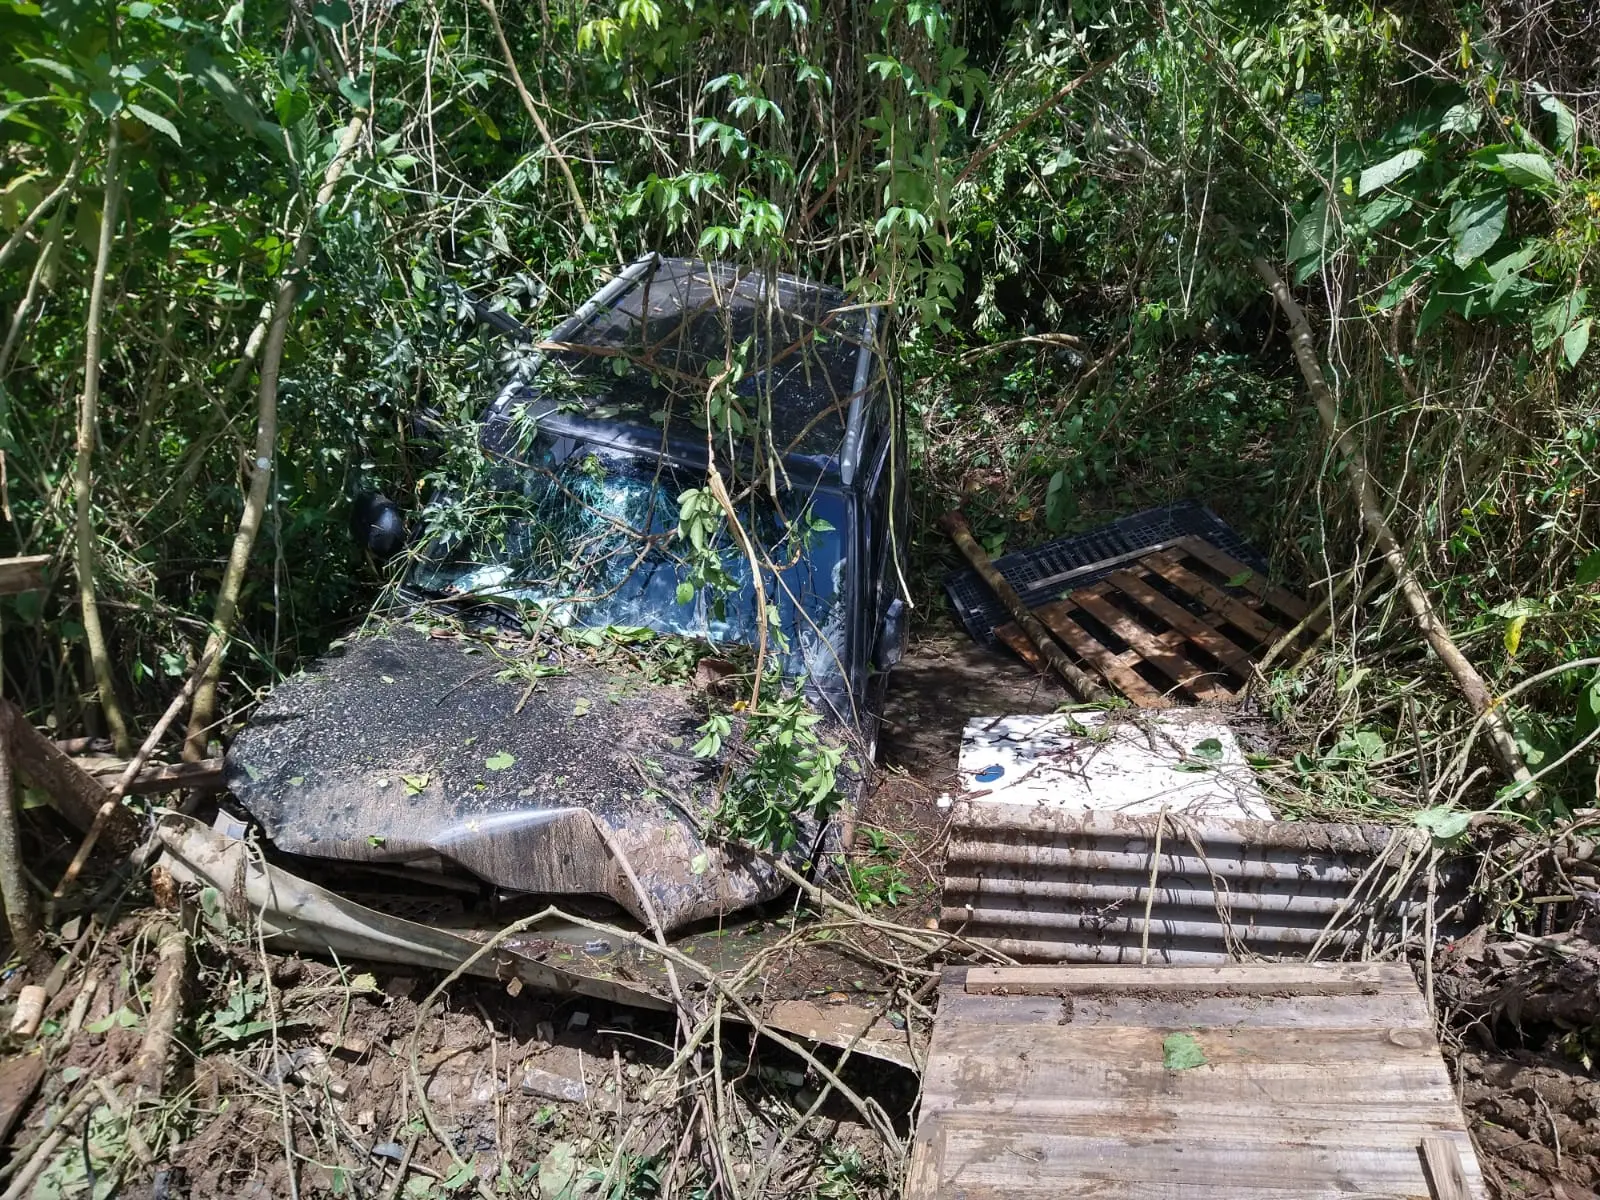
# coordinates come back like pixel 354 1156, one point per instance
pixel 1287 1081
pixel 1181 623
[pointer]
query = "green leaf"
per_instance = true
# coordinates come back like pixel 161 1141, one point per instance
pixel 51 65
pixel 1476 224
pixel 1463 119
pixel 1209 750
pixel 685 593
pixel 1444 823
pixel 1513 634
pixel 1588 714
pixel 1555 320
pixel 1310 234
pixel 1181 1052
pixel 107 104
pixel 1588 569
pixel 1390 169
pixel 1526 170
pixel 156 121
pixel 499 762
pixel 1575 341
pixel 414 783
pixel 1566 124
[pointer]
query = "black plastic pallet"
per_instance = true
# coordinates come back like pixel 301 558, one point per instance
pixel 1050 571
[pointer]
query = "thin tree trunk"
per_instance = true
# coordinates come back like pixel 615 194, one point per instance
pixel 538 121
pixel 1365 494
pixel 94 635
pixel 203 714
pixel 21 914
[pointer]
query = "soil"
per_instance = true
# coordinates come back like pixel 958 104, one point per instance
pixel 1536 1120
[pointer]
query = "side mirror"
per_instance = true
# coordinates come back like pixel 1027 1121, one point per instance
pixel 892 635
pixel 376 523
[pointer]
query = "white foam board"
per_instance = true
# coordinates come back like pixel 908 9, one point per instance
pixel 1183 761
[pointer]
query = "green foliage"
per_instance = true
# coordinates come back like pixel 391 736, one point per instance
pixel 784 772
pixel 874 873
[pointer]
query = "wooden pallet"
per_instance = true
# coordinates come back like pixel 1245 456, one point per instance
pixel 1182 623
pixel 1282 1081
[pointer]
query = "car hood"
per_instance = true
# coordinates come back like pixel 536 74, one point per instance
pixel 410 747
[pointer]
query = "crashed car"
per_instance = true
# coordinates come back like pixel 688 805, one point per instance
pixel 429 745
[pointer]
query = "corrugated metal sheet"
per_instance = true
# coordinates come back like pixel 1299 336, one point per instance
pixel 1050 883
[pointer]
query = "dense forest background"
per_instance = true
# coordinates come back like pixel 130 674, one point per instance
pixel 243 244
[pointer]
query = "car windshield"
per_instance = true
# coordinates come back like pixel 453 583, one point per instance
pixel 587 533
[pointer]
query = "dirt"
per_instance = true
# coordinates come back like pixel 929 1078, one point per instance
pixel 1536 1120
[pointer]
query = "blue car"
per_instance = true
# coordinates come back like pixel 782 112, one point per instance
pixel 501 723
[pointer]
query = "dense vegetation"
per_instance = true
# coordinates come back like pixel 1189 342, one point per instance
pixel 242 246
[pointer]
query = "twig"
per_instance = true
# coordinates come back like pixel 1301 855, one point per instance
pixel 1150 890
pixel 1006 135
pixel 129 774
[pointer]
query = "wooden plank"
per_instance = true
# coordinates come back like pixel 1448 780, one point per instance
pixel 1277 979
pixel 1169 662
pixel 1080 642
pixel 1211 640
pixel 1445 1173
pixel 25 574
pixel 1388 1118
pixel 1187 1012
pixel 1237 613
pixel 77 795
pixel 1231 568
pixel 1134 1047
pixel 1215 1169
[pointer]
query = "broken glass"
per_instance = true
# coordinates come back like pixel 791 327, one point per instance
pixel 587 534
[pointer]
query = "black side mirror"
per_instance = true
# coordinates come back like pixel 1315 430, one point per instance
pixel 892 635
pixel 377 526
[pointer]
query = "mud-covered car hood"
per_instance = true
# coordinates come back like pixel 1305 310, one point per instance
pixel 409 747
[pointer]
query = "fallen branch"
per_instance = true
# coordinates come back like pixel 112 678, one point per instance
pixel 78 796
pixel 149 1066
pixel 1365 494
pixel 129 774
pixel 1077 680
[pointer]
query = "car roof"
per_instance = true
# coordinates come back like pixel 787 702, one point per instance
pixel 674 322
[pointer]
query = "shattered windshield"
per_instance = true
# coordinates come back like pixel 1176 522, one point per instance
pixel 588 533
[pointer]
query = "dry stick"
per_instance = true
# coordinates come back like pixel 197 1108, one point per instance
pixel 538 121
pixel 149 1066
pixel 1081 684
pixel 129 774
pixel 20 913
pixel 1365 495
pixel 979 158
pixel 93 635
pixel 1150 890
pixel 203 714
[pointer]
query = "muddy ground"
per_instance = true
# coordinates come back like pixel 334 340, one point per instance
pixel 520 1093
